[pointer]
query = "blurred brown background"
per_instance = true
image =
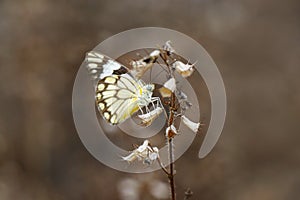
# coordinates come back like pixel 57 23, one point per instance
pixel 255 44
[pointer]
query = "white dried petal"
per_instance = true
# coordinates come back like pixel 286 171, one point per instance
pixel 184 70
pixel 131 157
pixel 143 147
pixel 171 128
pixel 155 149
pixel 144 152
pixel 155 53
pixel 190 124
pixel 168 47
pixel 153 156
pixel 170 84
pixel 94 71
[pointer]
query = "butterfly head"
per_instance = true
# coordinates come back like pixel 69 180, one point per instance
pixel 149 87
pixel 146 95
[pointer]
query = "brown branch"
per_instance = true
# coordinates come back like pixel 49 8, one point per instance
pixel 172 109
pixel 170 143
pixel 159 162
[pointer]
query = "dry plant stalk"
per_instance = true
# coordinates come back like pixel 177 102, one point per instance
pixel 112 72
pixel 177 99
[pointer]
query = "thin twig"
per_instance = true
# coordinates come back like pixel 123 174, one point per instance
pixel 162 166
pixel 170 137
pixel 170 143
pixel 171 173
pixel 159 162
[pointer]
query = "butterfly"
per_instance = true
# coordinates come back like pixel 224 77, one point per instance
pixel 118 94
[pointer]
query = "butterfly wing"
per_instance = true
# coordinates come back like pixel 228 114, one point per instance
pixel 116 97
pixel 101 66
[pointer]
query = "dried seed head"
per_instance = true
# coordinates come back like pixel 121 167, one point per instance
pixel 171 131
pixel 164 92
pixel 185 70
pixel 144 152
pixel 170 84
pixel 190 124
pixel 168 47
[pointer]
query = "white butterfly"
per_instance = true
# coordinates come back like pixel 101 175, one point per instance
pixel 118 94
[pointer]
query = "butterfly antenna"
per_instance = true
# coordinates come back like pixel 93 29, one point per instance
pixel 163 70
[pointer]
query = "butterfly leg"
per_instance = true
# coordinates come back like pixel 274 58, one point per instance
pixel 141 109
pixel 159 104
pixel 147 109
pixel 157 101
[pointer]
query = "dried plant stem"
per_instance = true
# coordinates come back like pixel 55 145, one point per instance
pixel 172 109
pixel 171 172
pixel 171 153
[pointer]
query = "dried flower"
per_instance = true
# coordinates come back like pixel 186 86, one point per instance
pixel 171 131
pixel 190 124
pixel 155 53
pixel 168 88
pixel 185 70
pixel 144 152
pixel 170 84
pixel 168 47
pixel 164 92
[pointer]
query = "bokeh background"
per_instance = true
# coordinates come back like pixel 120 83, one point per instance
pixel 255 44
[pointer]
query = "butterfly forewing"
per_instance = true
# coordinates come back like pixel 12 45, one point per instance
pixel 101 66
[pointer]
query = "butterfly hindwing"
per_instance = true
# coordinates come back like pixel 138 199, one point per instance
pixel 116 97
